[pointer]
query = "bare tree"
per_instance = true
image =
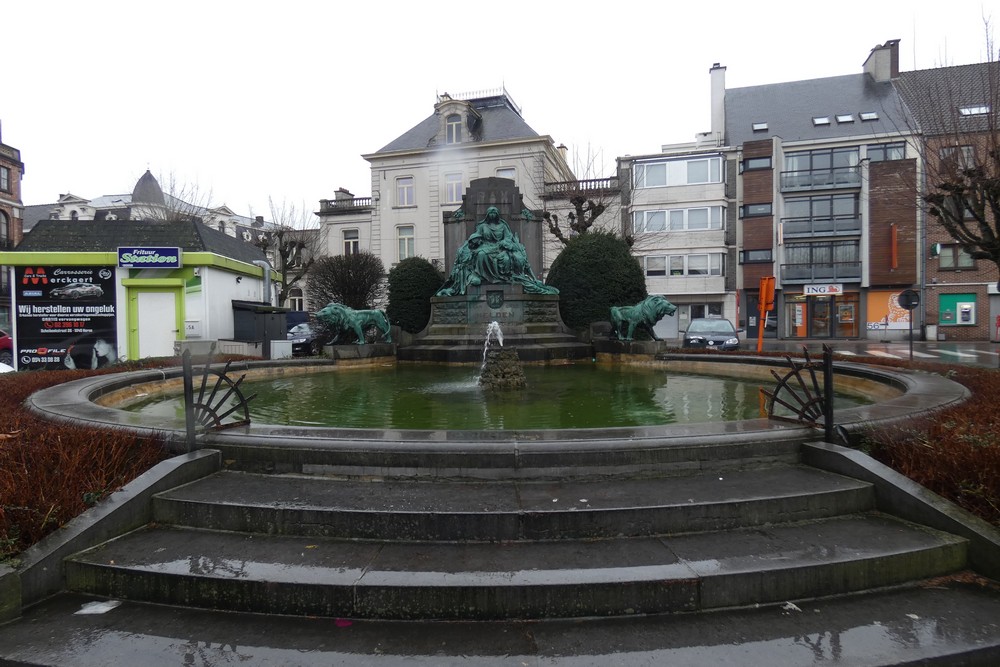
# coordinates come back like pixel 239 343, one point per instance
pixel 956 110
pixel 355 280
pixel 588 197
pixel 293 242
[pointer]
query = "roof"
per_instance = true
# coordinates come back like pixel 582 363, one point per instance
pixel 788 109
pixel 934 96
pixel 103 236
pixel 147 190
pixel 500 122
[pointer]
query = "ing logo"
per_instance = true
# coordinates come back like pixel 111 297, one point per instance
pixel 34 276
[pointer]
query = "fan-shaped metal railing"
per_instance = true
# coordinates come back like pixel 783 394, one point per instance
pixel 219 402
pixel 807 397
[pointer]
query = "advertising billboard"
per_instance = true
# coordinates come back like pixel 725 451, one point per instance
pixel 66 317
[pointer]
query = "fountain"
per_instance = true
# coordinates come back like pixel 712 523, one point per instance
pixel 501 367
pixel 491 244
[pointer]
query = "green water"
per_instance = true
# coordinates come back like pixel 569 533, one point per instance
pixel 448 397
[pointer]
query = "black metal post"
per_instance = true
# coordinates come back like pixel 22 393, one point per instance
pixel 828 393
pixel 911 335
pixel 188 399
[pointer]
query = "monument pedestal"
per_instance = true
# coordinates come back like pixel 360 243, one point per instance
pixel 530 323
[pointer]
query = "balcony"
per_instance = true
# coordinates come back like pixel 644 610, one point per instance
pixel 591 187
pixel 821 272
pixel 838 225
pixel 821 179
pixel 342 206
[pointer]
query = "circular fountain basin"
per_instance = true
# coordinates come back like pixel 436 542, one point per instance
pixel 895 395
pixel 438 397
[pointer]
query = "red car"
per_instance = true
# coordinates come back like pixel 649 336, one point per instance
pixel 6 349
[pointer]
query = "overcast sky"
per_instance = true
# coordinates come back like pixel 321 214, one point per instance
pixel 249 100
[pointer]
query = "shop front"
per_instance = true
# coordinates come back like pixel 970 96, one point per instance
pixel 821 311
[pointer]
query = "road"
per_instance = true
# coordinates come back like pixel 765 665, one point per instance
pixel 986 355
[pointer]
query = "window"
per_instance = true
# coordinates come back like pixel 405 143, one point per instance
pixel 866 116
pixel 703 310
pixel 656 266
pixel 759 127
pixel 352 242
pixel 821 120
pixel 962 157
pixel 506 172
pixel 886 152
pixel 453 129
pixel 222 225
pixel 453 188
pixel 824 168
pixel 404 191
pixel 755 256
pixel 678 220
pixel 404 240
pixel 74 215
pixel 751 163
pixel 755 210
pixel 295 300
pixel 678 172
pixel 955 258
pixel 845 118
pixel 823 207
pixel 695 264
pixel 4 231
pixel 5 179
pixel 974 110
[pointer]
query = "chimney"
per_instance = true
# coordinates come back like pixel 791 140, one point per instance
pixel 258 221
pixel 882 64
pixel 718 127
pixel 342 194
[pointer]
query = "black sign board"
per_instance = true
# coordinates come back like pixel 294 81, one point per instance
pixel 66 317
pixel 909 299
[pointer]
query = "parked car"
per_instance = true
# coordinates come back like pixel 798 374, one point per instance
pixel 6 349
pixel 712 333
pixel 77 291
pixel 305 340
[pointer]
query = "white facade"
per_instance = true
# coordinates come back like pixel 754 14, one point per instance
pixel 678 217
pixel 424 173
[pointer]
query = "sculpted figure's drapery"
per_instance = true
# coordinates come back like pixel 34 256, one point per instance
pixel 493 255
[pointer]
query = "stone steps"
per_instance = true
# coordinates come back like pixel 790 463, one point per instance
pixel 279 574
pixel 503 511
pixel 950 621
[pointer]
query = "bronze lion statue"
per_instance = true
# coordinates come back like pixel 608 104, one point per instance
pixel 338 318
pixel 645 314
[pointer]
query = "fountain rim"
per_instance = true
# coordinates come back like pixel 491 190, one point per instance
pixel 921 393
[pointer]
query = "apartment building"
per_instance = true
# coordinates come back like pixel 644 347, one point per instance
pixel 827 201
pixel 682 228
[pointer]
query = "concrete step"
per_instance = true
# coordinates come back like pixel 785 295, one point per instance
pixel 499 455
pixel 477 581
pixel 940 622
pixel 503 511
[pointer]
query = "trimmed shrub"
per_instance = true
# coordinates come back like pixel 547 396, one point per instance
pixel 593 272
pixel 412 283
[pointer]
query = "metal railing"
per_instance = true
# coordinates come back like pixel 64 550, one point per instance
pixel 821 179
pixel 838 225
pixel 820 271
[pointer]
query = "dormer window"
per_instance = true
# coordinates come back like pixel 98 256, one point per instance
pixel 974 110
pixel 453 129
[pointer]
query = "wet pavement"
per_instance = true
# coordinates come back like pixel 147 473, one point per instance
pixel 929 624
pixel 981 354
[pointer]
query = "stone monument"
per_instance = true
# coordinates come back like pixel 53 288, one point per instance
pixel 493 249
